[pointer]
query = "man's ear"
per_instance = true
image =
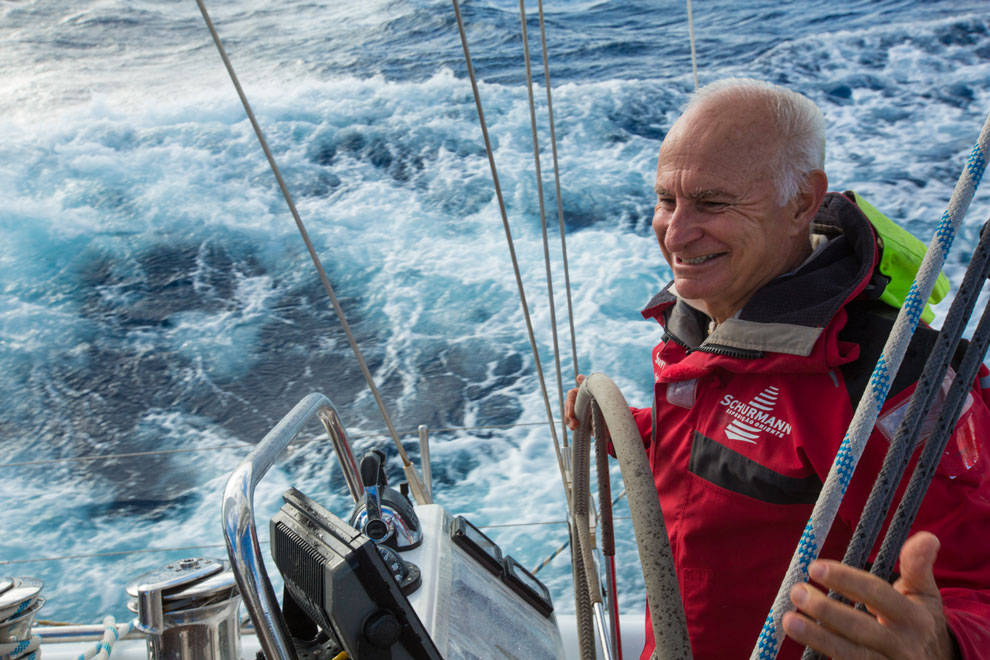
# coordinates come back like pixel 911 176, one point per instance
pixel 809 198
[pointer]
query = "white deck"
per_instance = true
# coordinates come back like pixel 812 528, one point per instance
pixel 134 649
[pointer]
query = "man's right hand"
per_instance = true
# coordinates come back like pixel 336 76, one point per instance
pixel 569 418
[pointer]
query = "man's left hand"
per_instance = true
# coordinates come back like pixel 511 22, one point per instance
pixel 909 621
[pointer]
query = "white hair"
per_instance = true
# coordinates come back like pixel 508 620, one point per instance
pixel 800 123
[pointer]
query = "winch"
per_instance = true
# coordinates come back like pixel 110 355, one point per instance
pixel 188 609
pixel 20 600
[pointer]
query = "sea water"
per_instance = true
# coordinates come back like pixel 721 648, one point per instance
pixel 159 312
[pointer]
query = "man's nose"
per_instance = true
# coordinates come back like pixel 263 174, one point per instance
pixel 682 227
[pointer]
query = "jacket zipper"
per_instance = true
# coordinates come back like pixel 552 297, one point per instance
pixel 728 351
pixel 714 349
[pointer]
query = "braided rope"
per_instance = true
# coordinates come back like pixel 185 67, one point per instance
pixel 924 471
pixel 103 648
pixel 31 655
pixel 854 442
pixel 905 440
pixel 16 649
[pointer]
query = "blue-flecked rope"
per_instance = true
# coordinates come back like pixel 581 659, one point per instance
pixel 20 609
pixel 103 648
pixel 16 650
pixel 33 655
pixel 851 448
pixel 908 432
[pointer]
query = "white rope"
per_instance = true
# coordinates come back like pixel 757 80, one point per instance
pixel 104 647
pixel 851 449
pixel 21 649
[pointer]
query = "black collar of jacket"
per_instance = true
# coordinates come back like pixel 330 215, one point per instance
pixel 789 313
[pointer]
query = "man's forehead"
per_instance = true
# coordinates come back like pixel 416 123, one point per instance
pixel 708 168
pixel 693 193
pixel 719 139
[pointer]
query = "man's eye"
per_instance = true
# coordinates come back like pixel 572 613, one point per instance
pixel 713 205
pixel 665 202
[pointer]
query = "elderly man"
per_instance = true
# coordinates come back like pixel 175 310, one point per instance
pixel 769 339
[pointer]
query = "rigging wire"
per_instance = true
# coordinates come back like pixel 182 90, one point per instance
pixel 556 177
pixel 508 238
pixel 114 553
pixel 694 56
pixel 312 253
pixel 184 549
pixel 563 545
pixel 560 203
pixel 543 214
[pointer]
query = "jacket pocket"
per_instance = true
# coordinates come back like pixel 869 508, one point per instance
pixel 734 472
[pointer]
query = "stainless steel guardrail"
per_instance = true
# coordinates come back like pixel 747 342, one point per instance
pixel 238 516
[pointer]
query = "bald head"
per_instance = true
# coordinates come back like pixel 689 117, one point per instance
pixel 726 135
pixel 788 124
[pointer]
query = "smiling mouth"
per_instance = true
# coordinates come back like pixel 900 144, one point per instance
pixel 699 260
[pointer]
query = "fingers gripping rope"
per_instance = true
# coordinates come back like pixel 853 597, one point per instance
pixel 854 442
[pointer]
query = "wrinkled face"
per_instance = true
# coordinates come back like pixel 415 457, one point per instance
pixel 717 218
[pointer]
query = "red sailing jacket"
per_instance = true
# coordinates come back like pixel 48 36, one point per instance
pixel 747 421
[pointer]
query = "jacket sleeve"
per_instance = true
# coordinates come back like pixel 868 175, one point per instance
pixel 966 615
pixel 958 513
pixel 644 422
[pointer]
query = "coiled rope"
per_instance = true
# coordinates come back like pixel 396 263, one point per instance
pixel 21 649
pixel 861 426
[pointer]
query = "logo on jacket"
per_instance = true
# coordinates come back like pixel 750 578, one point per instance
pixel 753 418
